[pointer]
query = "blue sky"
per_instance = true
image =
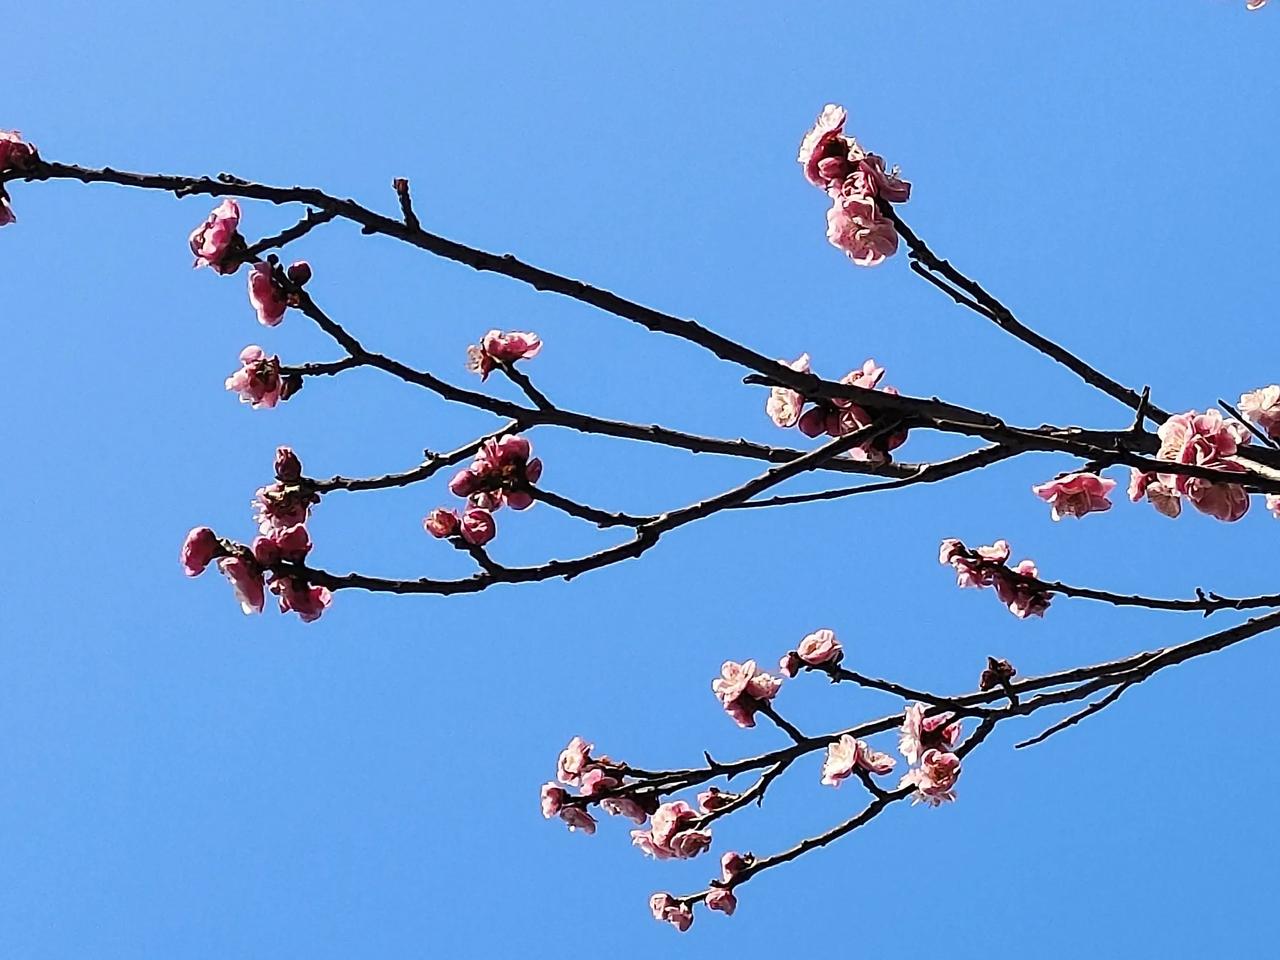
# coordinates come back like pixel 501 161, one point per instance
pixel 179 781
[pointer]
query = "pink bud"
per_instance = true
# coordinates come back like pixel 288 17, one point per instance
pixel 478 527
pixel 287 465
pixel 199 550
pixel 299 272
pixel 441 523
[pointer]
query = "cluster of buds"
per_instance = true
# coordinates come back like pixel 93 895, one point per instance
pixel 502 474
pixel 856 182
pixel 16 156
pixel 836 417
pixel 498 349
pixel 272 289
pixel 988 567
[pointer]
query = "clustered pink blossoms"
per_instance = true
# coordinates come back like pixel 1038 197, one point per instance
pixel 497 349
pixel 1205 440
pixel 502 473
pixel 673 833
pixel 817 649
pixel 576 767
pixel 268 294
pixel 834 417
pixel 259 381
pixel 474 526
pixel 16 156
pixel 743 689
pixel 855 181
pixel 930 740
pixel 849 754
pixel 281 512
pixel 987 567
pixel 1262 407
pixel 216 242
pixel 934 779
pixel 1076 494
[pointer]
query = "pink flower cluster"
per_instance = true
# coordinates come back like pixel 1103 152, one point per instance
pixel 820 648
pixel 216 243
pixel 988 567
pixel 282 511
pixel 834 417
pixel 1262 407
pixel 848 754
pixel 16 156
pixel 679 913
pixel 1076 494
pixel 742 689
pixel 501 474
pixel 855 181
pixel 497 349
pixel 268 293
pixel 930 740
pixel 1205 440
pixel 673 833
pixel 473 526
pixel 258 381
pixel 576 767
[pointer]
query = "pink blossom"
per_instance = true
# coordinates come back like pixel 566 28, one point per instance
pixel 199 549
pixel 733 863
pixel 713 798
pixel 282 505
pixel 578 819
pixel 268 299
pixel 597 780
pixel 6 212
pixel 573 762
pixel 258 379
pixel 1223 501
pixel 1205 440
pixel 920 733
pixel 670 910
pixel 246 580
pixel 784 404
pixel 742 688
pixel 1255 4
pixel 821 646
pixel 1161 496
pixel 856 227
pixel 553 799
pixel 307 601
pixel 672 835
pixel 875 181
pixel 1262 406
pixel 1273 504
pixel 1023 599
pixel 934 778
pixel 974 568
pixel 289 544
pixel 824 151
pixel 478 526
pixel 1076 494
pixel 501 472
pixel 212 241
pixel 723 900
pixel 287 466
pixel 441 523
pixel 497 348
pixel 15 153
pixel 625 807
pixel 841 761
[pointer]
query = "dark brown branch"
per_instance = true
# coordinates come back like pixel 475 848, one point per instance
pixel 310 220
pixel 1075 718
pixel 601 518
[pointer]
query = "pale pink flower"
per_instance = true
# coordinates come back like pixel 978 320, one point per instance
pixel 841 760
pixel 307 601
pixel 268 299
pixel 1273 504
pixel 282 505
pixel 875 181
pixel 1262 406
pixel 974 568
pixel 723 900
pixel 920 733
pixel 671 834
pixel 246 580
pixel 872 760
pixel 441 523
pixel 713 798
pixel 857 228
pixel 734 863
pixel 625 807
pixel 1223 501
pixel 934 779
pixel 821 646
pixel 824 151
pixel 199 549
pixel 1023 599
pixel 578 819
pixel 1076 494
pixel 501 473
pixel 784 404
pixel 670 910
pixel 1163 497
pixel 15 153
pixel 213 239
pixel 553 799
pixel 573 761
pixel 496 348
pixel 258 379
pixel 477 526
pixel 290 544
pixel 597 780
pixel 741 688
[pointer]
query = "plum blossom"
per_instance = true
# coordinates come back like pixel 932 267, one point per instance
pixel 6 212
pixel 214 240
pixel 741 688
pixel 627 807
pixel 199 549
pixel 1204 440
pixel 1076 494
pixel 267 297
pixel 441 523
pixel 477 526
pixel 974 568
pixel 673 834
pixel 1164 498
pixel 817 648
pixel 246 580
pixel 1262 406
pixel 919 733
pixel 1023 599
pixel 307 601
pixel 722 899
pixel 497 349
pixel 501 473
pixel 573 762
pixel 713 798
pixel 553 799
pixel 282 505
pixel 1255 4
pixel 1273 504
pixel 857 228
pixel 996 673
pixel 670 910
pixel 847 754
pixel 15 153
pixel 258 380
pixel 934 779
pixel 578 819
pixel 734 863
pixel 286 465
pixel 824 151
pixel 987 567
pixel 289 544
pixel 784 404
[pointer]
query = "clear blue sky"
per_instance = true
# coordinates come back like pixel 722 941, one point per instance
pixel 177 780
